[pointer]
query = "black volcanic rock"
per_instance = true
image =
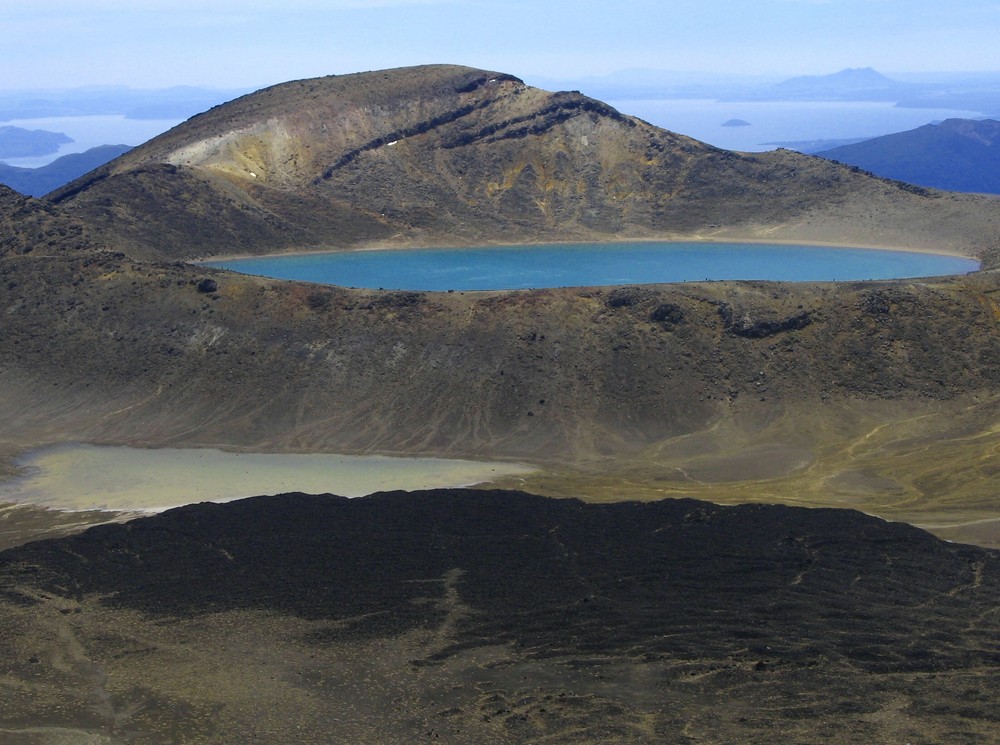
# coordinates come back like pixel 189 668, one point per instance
pixel 639 569
pixel 750 599
pixel 748 324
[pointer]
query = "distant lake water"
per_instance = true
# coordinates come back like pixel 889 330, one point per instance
pixel 769 122
pixel 571 265
pixel 89 131
pixel 782 121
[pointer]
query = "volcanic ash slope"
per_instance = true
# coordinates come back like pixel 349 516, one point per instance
pixel 446 155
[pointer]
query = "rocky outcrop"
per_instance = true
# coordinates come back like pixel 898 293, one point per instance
pixel 757 324
pixel 28 225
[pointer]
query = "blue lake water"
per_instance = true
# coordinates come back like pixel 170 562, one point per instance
pixel 572 265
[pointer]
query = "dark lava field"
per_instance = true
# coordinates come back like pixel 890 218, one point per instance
pixel 499 617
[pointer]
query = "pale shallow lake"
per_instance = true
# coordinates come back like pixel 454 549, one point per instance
pixel 572 265
pixel 84 477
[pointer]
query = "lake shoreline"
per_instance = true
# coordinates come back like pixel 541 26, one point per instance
pixel 78 477
pixel 532 266
pixel 696 238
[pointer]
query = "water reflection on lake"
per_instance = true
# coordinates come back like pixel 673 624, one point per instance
pixel 79 477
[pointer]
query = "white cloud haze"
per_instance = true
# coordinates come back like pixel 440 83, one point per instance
pixel 231 43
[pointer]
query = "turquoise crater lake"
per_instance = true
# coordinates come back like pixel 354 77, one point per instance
pixel 574 265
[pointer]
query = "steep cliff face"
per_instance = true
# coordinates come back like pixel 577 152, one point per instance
pixel 444 155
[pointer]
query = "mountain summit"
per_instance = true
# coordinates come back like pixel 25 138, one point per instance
pixel 447 155
pixel 851 84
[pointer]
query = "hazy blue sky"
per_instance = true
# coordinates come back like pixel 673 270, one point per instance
pixel 241 43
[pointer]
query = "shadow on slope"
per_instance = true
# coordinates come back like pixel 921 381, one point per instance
pixel 502 613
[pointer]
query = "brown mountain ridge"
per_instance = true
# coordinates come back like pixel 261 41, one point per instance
pixel 447 155
pixel 494 616
pixel 880 395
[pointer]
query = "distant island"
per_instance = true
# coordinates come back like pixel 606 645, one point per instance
pixel 736 123
pixel 969 91
pixel 16 142
pixel 852 84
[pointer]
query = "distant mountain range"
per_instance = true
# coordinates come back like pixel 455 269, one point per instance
pixel 974 92
pixel 956 155
pixel 853 84
pixel 38 181
pixel 164 103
